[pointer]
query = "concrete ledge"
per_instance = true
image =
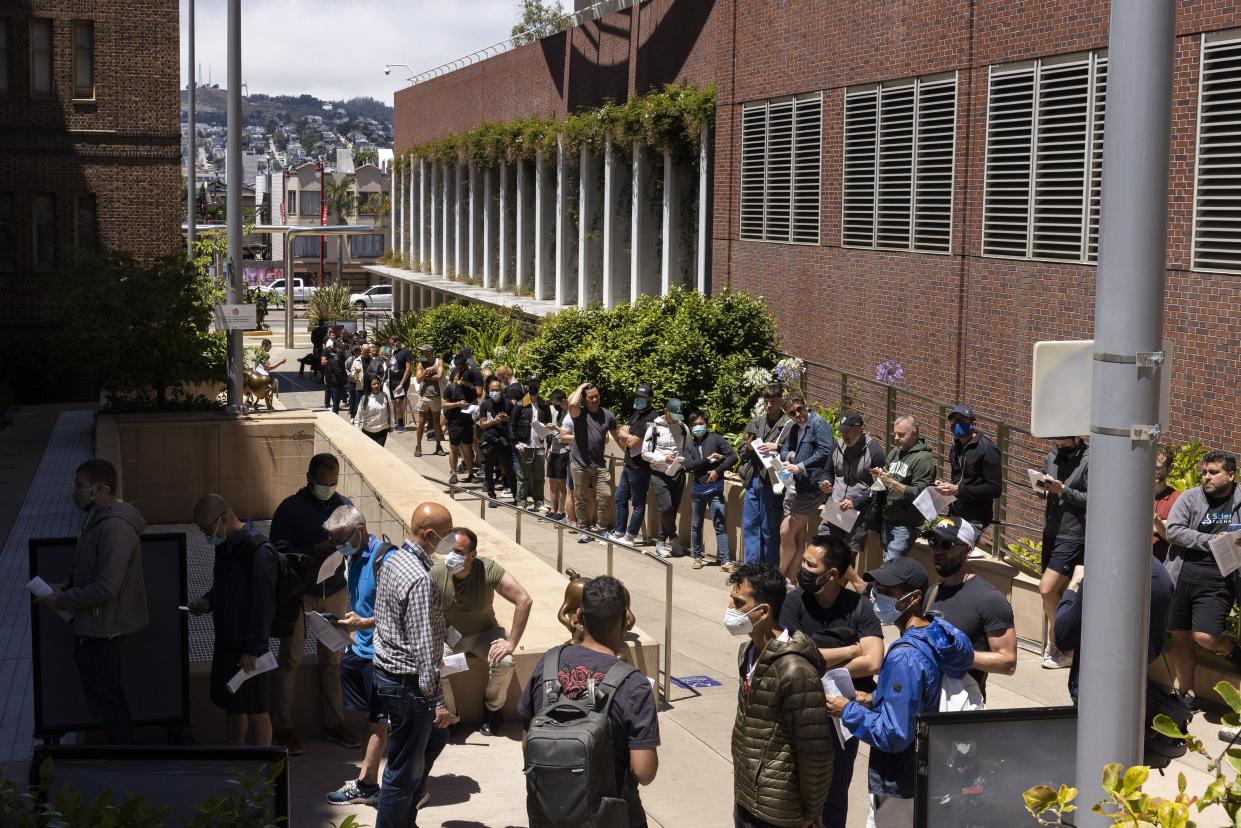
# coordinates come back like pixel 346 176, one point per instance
pixel 467 292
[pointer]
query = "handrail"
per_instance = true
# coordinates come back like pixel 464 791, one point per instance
pixel 484 499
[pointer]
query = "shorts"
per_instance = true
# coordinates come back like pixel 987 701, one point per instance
pixel 1062 554
pixel 357 687
pixel 429 405
pixel 461 432
pixel 1200 606
pixel 398 392
pixel 557 466
pixel 803 504
pixel 251 696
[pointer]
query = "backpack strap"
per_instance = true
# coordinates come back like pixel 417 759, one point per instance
pixel 612 681
pixel 385 547
pixel 551 677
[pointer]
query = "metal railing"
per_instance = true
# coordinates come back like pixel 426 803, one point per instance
pixel 484 500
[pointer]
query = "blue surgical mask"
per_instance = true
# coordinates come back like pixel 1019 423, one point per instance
pixel 639 403
pixel 962 430
pixel 699 431
pixel 216 540
pixel 885 608
pixel 347 549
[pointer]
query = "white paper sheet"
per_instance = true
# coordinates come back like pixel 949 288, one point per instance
pixel 878 486
pixel 328 568
pixel 470 410
pixel 674 468
pixel 39 587
pixel 838 682
pixel 451 636
pixel 540 432
pixel 931 503
pixel 328 634
pixel 454 663
pixel 1227 553
pixel 1036 480
pixel 266 663
pixel 832 514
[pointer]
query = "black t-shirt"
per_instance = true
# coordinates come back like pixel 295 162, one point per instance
pixel 590 434
pixel 637 427
pixel 401 357
pixel 632 714
pixel 977 609
pixel 849 619
pixel 455 392
pixel 499 433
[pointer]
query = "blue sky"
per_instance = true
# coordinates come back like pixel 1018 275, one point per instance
pixel 351 41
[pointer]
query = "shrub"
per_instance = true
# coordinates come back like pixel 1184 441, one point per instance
pixel 1186 472
pixel 329 303
pixel 449 326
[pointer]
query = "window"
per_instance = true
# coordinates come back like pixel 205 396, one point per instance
pixel 84 60
pixel 310 203
pixel 898 165
pixel 370 246
pixel 87 224
pixel 1044 163
pixel 305 247
pixel 8 235
pixel 292 207
pixel 41 57
pixel 1217 191
pixel 781 160
pixel 4 56
pixel 44 214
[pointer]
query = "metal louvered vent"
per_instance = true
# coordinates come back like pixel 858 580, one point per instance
pixel 1217 192
pixel 781 161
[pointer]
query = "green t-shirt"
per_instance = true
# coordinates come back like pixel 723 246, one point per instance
pixel 468 602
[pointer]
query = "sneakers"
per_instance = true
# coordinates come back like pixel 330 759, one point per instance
pixel 1191 702
pixel 439 451
pixel 698 563
pixel 584 538
pixel 452 479
pixel 662 549
pixel 1230 734
pixel 1053 659
pixel 605 537
pixel 337 733
pixel 355 792
pixel 491 722
pixel 461 467
pixel 289 739
pixel 628 540
pixel 417 451
pixel 555 515
pixel 728 567
pixel 400 428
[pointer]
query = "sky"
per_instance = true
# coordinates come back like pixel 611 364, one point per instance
pixel 337 50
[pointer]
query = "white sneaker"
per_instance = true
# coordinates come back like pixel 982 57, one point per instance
pixel 584 538
pixel 1053 659
pixel 1230 734
pixel 604 536
pixel 662 550
pixel 628 540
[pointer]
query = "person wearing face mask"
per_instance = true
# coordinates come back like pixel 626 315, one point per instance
pixel 1066 471
pixel 460 394
pixel 427 376
pixel 531 452
pixel 106 593
pixel 848 478
pixel 560 505
pixel 806 451
pixel 363 554
pixel 781 744
pixel 635 479
pixel 467 586
pixel 762 505
pixel 970 603
pixel 707 457
pixel 1165 496
pixel 975 463
pixel 664 448
pixel 242 603
pixel 496 442
pixel 909 683
pixel 298 522
pixel 843 625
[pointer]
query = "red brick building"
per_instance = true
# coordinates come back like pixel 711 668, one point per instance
pixel 89 138
pixel 916 181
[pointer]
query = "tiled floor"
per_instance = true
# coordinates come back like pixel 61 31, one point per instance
pixel 47 512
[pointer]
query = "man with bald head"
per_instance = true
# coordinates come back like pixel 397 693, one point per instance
pixel 242 603
pixel 409 647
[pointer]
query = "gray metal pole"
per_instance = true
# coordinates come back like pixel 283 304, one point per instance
pixel 232 161
pixel 1128 322
pixel 191 167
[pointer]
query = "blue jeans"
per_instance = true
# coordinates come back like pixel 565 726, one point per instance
pixel 410 718
pixel 761 514
pixel 701 503
pixel 633 487
pixel 896 539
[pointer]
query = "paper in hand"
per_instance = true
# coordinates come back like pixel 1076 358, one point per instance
pixel 878 486
pixel 838 682
pixel 540 432
pixel 327 633
pixel 39 587
pixel 931 503
pixel 451 636
pixel 674 468
pixel 1036 480
pixel 845 520
pixel 453 664
pixel 1227 553
pixel 328 567
pixel 265 664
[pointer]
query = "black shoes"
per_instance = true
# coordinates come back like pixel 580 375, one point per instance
pixel 492 720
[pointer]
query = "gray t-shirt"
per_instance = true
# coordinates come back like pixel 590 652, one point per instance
pixel 590 432
pixel 977 609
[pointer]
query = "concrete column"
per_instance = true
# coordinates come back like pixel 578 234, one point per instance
pixel 476 221
pixel 398 211
pixel 545 225
pixel 425 172
pixel 702 250
pixel 617 204
pixel 491 226
pixel 566 226
pixel 424 298
pixel 643 227
pixel 460 228
pixel 589 228
pixel 677 233
pixel 447 223
pixel 525 225
pixel 412 201
pixel 507 229
pixel 437 179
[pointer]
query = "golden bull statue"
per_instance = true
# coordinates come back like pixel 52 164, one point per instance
pixel 259 388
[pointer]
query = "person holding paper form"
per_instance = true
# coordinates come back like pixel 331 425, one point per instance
pixel 664 448
pixel 707 457
pixel 561 504
pixel 847 477
pixel 531 449
pixel 594 499
pixel 910 470
pixel 1204 595
pixel 975 463
pixel 1066 471
pixel 636 476
pixel 106 593
pixel 805 450
pixel 844 627
pixel 460 394
pixel 496 440
pixel 242 603
pixel 762 507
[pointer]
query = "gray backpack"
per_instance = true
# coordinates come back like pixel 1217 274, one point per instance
pixel 569 764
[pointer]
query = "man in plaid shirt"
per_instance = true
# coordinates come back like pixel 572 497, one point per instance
pixel 409 647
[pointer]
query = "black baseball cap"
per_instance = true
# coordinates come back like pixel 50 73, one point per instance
pixel 645 390
pixel 897 572
pixel 852 419
pixel 534 379
pixel 961 410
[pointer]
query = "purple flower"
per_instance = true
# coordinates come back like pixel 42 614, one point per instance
pixel 889 372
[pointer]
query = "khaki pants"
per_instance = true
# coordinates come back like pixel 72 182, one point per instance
pixel 592 478
pixel 290 658
pixel 498 677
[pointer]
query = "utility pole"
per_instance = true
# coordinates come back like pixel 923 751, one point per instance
pixel 233 172
pixel 191 167
pixel 1125 407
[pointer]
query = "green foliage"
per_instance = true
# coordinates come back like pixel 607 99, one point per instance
pixel 449 326
pixel 686 345
pixel 1186 472
pixel 143 326
pixel 1027 555
pixel 369 156
pixel 329 303
pixel 538 19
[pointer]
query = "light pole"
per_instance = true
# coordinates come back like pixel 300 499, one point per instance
pixel 191 167
pixel 232 162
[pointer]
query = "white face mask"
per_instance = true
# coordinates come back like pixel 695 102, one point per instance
pixel 322 492
pixel 454 562
pixel 738 622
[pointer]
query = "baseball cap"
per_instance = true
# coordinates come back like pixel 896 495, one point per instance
pixel 952 529
pixel 426 348
pixel 961 410
pixel 674 409
pixel 852 419
pixel 900 572
pixel 645 390
pixel 534 379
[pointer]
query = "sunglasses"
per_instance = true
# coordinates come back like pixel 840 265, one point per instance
pixel 939 543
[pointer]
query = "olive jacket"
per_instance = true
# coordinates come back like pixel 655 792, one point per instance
pixel 782 756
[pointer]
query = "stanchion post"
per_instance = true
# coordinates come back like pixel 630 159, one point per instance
pixel 517 534
pixel 482 508
pixel 560 548
pixel 611 550
pixel 667 633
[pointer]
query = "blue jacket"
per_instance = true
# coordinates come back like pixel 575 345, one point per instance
pixel 813 452
pixel 908 684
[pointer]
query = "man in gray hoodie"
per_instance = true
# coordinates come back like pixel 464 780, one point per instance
pixel 106 594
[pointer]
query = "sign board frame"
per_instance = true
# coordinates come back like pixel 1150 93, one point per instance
pixel 237 317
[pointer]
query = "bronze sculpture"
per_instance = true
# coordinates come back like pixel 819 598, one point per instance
pixel 259 388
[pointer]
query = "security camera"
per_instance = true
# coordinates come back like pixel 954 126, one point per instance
pixel 387 70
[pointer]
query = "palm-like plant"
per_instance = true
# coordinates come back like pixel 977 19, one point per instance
pixel 341 203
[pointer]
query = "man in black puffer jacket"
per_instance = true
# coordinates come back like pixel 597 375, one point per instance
pixel 975 465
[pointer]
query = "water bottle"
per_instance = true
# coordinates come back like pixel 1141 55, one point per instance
pixel 784 476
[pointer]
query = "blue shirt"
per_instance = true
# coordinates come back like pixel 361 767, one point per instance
pixel 362 595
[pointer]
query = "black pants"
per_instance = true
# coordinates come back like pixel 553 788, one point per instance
pixel 99 667
pixel 744 819
pixel 668 491
pixel 497 465
pixel 836 808
pixel 380 437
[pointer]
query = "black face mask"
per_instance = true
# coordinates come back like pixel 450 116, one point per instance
pixel 1065 451
pixel 951 569
pixel 809 582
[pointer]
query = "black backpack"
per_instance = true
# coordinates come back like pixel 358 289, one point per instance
pixel 292 572
pixel 570 768
pixel 1160 750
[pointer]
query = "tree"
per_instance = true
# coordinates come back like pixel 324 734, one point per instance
pixel 342 203
pixel 539 18
pixel 366 156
